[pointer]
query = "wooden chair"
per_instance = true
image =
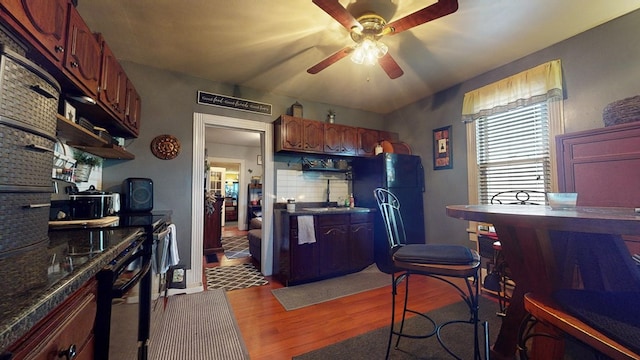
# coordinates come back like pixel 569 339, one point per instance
pixel 439 261
pixel 549 312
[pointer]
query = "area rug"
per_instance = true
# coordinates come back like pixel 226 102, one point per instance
pixel 459 338
pixel 236 247
pixel 196 326
pixel 299 296
pixel 234 277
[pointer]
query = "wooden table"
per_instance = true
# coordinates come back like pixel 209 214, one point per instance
pixel 550 249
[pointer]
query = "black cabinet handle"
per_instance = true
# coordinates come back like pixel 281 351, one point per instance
pixel 59 49
pixel 38 89
pixel 69 354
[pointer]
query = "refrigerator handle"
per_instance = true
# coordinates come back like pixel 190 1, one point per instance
pixel 421 176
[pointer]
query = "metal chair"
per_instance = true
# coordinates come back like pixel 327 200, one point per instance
pixel 439 261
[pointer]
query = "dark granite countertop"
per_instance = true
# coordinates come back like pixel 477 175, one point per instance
pixel 74 257
pixel 310 210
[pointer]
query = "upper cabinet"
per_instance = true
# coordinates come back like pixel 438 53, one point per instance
pixel 83 54
pixel 368 139
pixel 297 134
pixel 340 139
pixel 310 136
pixel 113 82
pixel 45 20
pixel 60 41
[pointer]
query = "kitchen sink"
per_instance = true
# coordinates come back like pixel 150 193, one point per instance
pixel 321 209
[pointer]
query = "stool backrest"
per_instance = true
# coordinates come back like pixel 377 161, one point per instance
pixel 519 197
pixel 389 206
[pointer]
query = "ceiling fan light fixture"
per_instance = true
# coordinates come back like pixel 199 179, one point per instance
pixel 368 51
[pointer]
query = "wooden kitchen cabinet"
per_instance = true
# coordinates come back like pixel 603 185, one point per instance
pixel 69 324
pixel 213 227
pixel 45 22
pixel 133 107
pixel 113 82
pixel 344 244
pixel 361 243
pixel 297 134
pixel 367 141
pixel 332 233
pixel 83 54
pixel 304 258
pixel 340 139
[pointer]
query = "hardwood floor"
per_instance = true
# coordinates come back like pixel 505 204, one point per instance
pixel 270 332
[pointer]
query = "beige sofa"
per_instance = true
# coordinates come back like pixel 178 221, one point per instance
pixel 255 237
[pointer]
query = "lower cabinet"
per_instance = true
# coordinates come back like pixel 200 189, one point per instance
pixel 68 328
pixel 344 244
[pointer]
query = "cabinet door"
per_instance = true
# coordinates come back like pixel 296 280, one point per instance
pixel 44 20
pixel 71 323
pixel 367 141
pixel 334 249
pixel 113 83
pixel 313 134
pixel 291 133
pixel 304 257
pixel 350 141
pixel 340 139
pixel 83 53
pixel 361 245
pixel 332 138
pixel 132 109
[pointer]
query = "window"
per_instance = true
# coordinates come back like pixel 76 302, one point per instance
pixel 513 152
pixel 511 129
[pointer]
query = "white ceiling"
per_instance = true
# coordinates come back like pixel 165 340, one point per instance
pixel 269 44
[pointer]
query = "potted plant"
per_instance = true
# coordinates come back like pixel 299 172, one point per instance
pixel 84 165
pixel 331 115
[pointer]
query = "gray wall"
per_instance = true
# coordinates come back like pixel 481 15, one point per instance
pixel 168 104
pixel 599 66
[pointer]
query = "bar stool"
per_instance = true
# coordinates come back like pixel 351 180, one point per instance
pixel 438 261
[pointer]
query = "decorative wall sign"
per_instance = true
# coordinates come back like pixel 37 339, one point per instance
pixel 234 103
pixel 165 147
pixel 442 157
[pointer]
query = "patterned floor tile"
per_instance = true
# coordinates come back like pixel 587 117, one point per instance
pixel 234 277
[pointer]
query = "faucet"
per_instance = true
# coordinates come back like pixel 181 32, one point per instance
pixel 328 192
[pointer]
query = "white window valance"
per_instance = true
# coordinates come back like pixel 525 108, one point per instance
pixel 537 84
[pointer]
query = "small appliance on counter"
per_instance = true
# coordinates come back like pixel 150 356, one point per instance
pixel 92 204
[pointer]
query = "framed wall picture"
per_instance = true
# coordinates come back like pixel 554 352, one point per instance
pixel 442 156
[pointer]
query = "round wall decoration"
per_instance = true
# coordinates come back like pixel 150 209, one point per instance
pixel 165 147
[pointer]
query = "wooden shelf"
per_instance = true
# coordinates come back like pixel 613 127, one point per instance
pixel 80 138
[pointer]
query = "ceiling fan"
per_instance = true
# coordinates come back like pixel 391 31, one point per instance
pixel 368 28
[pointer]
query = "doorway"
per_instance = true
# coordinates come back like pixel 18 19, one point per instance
pixel 201 122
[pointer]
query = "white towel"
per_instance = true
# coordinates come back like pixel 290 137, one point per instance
pixel 174 257
pixel 306 231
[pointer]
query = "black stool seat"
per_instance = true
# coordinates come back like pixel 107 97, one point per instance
pixel 615 314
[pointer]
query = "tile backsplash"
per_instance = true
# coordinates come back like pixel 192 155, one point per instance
pixel 311 186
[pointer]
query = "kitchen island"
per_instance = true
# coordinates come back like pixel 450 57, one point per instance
pixel 313 243
pixel 74 257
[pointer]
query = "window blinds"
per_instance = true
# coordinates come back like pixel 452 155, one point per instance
pixel 513 152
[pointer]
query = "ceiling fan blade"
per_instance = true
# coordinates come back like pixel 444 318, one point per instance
pixel 338 12
pixel 330 60
pixel 432 12
pixel 390 66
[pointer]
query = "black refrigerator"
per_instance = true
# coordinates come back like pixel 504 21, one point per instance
pixel 403 175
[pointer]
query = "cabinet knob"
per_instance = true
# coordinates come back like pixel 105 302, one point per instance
pixel 74 64
pixel 59 49
pixel 69 354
